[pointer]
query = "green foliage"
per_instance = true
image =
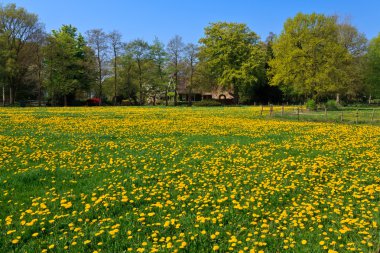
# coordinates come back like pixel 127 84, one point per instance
pixel 308 57
pixel 69 62
pixel 139 51
pixel 311 104
pixel 158 74
pixel 332 105
pixel 19 31
pixel 232 53
pixel 207 103
pixel 373 73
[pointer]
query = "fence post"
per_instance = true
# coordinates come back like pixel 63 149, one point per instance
pixel 357 116
pixel 262 109
pixel 271 110
pixel 282 110
pixel 341 117
pixel 325 113
pixel 373 115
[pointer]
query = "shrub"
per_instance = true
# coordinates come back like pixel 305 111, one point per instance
pixel 332 105
pixel 311 105
pixel 207 102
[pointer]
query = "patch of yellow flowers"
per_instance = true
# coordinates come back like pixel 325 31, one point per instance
pixel 184 179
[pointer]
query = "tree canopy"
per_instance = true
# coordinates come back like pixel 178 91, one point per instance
pixel 316 56
pixel 373 75
pixel 308 58
pixel 232 53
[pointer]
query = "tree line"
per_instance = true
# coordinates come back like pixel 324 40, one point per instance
pixel 316 57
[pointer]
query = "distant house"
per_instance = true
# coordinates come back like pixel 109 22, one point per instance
pixel 217 93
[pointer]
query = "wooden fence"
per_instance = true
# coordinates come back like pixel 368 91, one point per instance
pixel 300 113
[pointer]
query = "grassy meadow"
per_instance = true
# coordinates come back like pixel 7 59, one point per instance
pixel 119 179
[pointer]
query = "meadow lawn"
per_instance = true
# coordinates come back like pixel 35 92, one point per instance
pixel 142 179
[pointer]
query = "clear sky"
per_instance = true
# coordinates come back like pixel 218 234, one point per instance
pixel 146 19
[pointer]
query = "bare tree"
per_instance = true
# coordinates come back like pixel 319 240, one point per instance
pixel 97 40
pixel 175 49
pixel 191 59
pixel 39 40
pixel 116 46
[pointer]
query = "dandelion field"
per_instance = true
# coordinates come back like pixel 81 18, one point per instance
pixel 185 179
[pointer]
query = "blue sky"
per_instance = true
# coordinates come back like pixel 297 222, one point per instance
pixel 146 19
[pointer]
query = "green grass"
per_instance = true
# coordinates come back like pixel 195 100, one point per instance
pixel 188 179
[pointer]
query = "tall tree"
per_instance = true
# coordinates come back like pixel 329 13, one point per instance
pixel 128 77
pixel 191 60
pixel 97 40
pixel 140 52
pixel 36 59
pixel 309 59
pixel 373 69
pixel 233 54
pixel 116 47
pixel 17 27
pixel 2 66
pixel 69 63
pixel 356 45
pixel 159 59
pixel 175 49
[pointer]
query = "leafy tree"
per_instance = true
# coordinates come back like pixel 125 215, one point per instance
pixel 356 45
pixel 373 69
pixel 159 78
pixel 128 77
pixel 175 49
pixel 139 51
pixel 308 58
pixel 97 40
pixel 233 55
pixel 17 28
pixel 69 63
pixel 2 67
pixel 261 91
pixel 191 60
pixel 116 46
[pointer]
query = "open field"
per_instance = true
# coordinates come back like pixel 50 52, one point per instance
pixel 185 179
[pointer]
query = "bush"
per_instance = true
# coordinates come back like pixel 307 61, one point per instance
pixel 207 103
pixel 332 105
pixel 311 105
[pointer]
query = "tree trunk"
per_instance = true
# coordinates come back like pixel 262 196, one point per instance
pixel 100 96
pixel 176 86
pixel 10 95
pixel 39 88
pixel 114 67
pixel 189 96
pixel 154 100
pixel 39 96
pixel 3 94
pixel 65 100
pixel 141 94
pixel 166 98
pixel 99 74
pixel 370 99
pixel 337 100
pixel 175 97
pixel 236 94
